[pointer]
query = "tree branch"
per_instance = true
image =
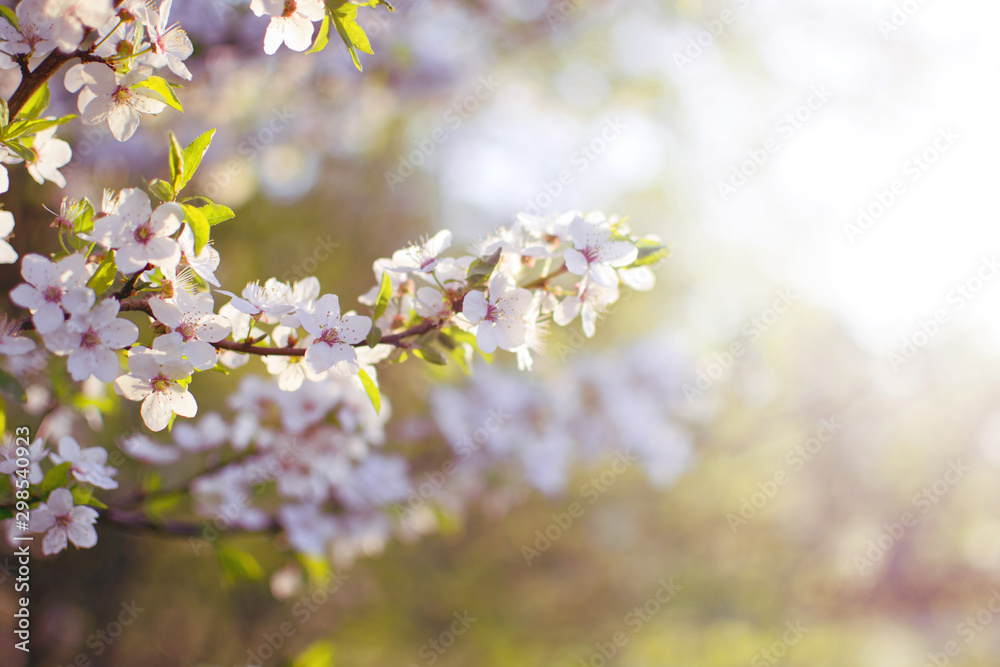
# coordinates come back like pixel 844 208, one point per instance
pixel 138 522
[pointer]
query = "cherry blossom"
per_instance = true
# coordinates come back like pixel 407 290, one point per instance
pixel 595 254
pixel 291 371
pixel 51 154
pixel 71 17
pixel 10 343
pixel 60 520
pixel 36 454
pixel 90 338
pixel 421 257
pixel 193 318
pixel 203 263
pixel 7 254
pixel 87 465
pixel 589 304
pixel 140 235
pixel 53 287
pixel 268 302
pixel 335 336
pixel 107 95
pixel 170 44
pixel 36 35
pixel 143 448
pixel 499 319
pixel 154 379
pixel 291 22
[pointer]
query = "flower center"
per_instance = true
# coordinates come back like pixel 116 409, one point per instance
pixel 63 521
pixel 187 330
pixel 90 339
pixel 329 336
pixel 290 8
pixel 52 294
pixel 160 383
pixel 121 95
pixel 143 234
pixel 590 254
pixel 492 313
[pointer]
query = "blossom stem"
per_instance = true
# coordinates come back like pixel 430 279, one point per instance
pixel 544 280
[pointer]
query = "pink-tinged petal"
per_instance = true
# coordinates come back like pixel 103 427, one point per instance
pixel 327 309
pixel 177 369
pixel 474 306
pixel 62 341
pixel 354 328
pixel 80 533
pixel 131 258
pixel 38 270
pixel 213 328
pixel 143 365
pixel 517 301
pixel 566 311
pixel 132 388
pixel 48 317
pixel 144 100
pixel 275 36
pixel 81 364
pixel 201 355
pixel 603 275
pixel 166 219
pixel 163 252
pixel 60 501
pixel 486 338
pixel 107 368
pixel 72 270
pixel 181 401
pixel 54 542
pixel 319 357
pixel 168 314
pixel 509 334
pixel 575 262
pixel 119 333
pixel 134 206
pixel 41 519
pixel 156 411
pixel 123 121
pixel 311 9
pixel 309 323
pixel 27 296
pixel 78 300
pixel 618 253
pixel 298 32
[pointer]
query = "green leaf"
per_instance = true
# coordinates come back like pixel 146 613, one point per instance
pixel 11 386
pixel 105 275
pixel 36 104
pixel 6 512
pixel 11 17
pixel 160 188
pixel 345 18
pixel 4 112
pixel 323 36
pixel 371 389
pixel 384 294
pixel 161 90
pixel 216 213
pixel 3 415
pixel 54 478
pixel 239 564
pixel 176 162
pixel 318 654
pixel 199 225
pixel 84 495
pixel 469 339
pixel 482 268
pixel 650 252
pixel 192 157
pixel 430 355
pixel 374 336
pixel 84 221
pixel 20 150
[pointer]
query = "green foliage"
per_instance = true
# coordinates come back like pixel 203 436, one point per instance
pixel 371 389
pixel 36 104
pixel 238 564
pixel 430 355
pixel 54 478
pixel 11 17
pixel 11 386
pixel 84 495
pixel 318 654
pixel 199 225
pixel 104 277
pixel 481 270
pixel 343 14
pixel 162 91
pixel 650 252
pixel 384 294
pixel 191 158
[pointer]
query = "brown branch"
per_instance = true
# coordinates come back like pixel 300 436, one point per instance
pixel 37 77
pixel 138 522
pixel 398 339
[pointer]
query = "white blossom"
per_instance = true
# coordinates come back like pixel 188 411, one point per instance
pixel 52 288
pixel 90 339
pixel 334 336
pixel 154 379
pixel 107 95
pixel 192 317
pixel 7 254
pixel 36 454
pixel 139 235
pixel 50 155
pixel 594 254
pixel 499 319
pixel 291 22
pixel 87 465
pixel 60 520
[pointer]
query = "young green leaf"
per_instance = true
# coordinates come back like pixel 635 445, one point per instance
pixel 11 17
pixel 161 91
pixel 216 213
pixel 36 104
pixel 105 275
pixel 371 389
pixel 19 149
pixel 318 654
pixel 199 225
pixel 374 337
pixel 160 188
pixel 192 157
pixel 55 478
pixel 345 18
pixel 323 36
pixel 430 355
pixel 650 252
pixel 384 294
pixel 176 162
pixel 84 495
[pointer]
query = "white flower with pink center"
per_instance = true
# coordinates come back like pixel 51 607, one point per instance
pixel 499 319
pixel 421 257
pixel 107 95
pixel 53 287
pixel 140 235
pixel 335 336
pixel 7 253
pixel 50 155
pixel 589 304
pixel 90 339
pixel 36 35
pixel 153 378
pixel 291 23
pixel 62 522
pixel 170 44
pixel 594 254
pixel 87 465
pixel 192 317
pixel 267 302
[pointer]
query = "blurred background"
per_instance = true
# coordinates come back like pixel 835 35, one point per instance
pixel 827 326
